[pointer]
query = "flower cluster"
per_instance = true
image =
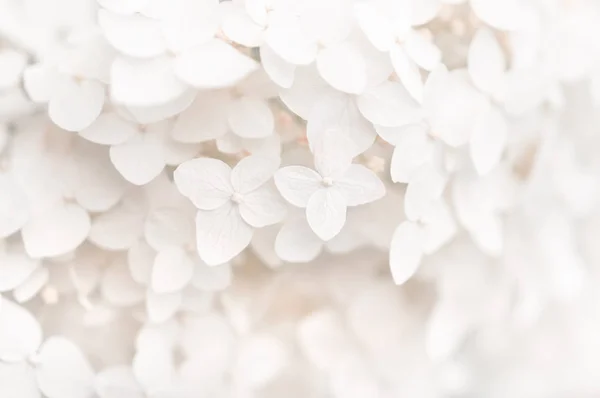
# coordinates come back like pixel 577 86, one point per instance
pixel 305 198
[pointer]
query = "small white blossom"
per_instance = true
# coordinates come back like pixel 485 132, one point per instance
pixel 327 192
pixel 231 203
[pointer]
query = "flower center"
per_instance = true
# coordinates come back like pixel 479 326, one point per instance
pixel 327 181
pixel 237 197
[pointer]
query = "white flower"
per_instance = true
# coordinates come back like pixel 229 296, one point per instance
pixel 167 50
pixel 327 192
pixel 72 85
pixel 239 118
pixel 231 203
pixel 15 267
pixel 388 26
pixel 412 240
pixel 486 67
pixel 167 263
pixel 276 25
pixel 28 367
pixel 138 152
pixel 351 117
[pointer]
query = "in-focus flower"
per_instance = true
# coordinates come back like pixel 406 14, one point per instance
pixel 327 192
pixel 230 202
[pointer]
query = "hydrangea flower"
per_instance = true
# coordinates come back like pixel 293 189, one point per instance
pixel 30 368
pixel 439 163
pixel 327 192
pixel 230 202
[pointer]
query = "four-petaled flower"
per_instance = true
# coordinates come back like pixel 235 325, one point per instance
pixel 231 203
pixel 327 192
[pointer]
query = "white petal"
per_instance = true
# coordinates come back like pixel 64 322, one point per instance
pixel 307 89
pixel 375 25
pixel 12 64
pixel 175 152
pixel 117 382
pixel 99 185
pixel 423 190
pixel 172 271
pixel 204 120
pixel 488 233
pixel 440 227
pixel 20 332
pixel 221 234
pixel 241 29
pixel 109 129
pixel 423 11
pixel 92 57
pixel 263 245
pixel 63 371
pixel 15 268
pixel 488 141
pixel 287 38
pixel 123 7
pixel 157 9
pixel 167 227
pixel 251 118
pixel 505 15
pixel 451 102
pixel 162 306
pixel 328 22
pixel 326 213
pixel 120 227
pixel 211 279
pixel 262 207
pixel 423 52
pixel 359 185
pixel 205 181
pixel 39 81
pixel 406 251
pixel 297 184
pixel 297 243
pixel 75 105
pixel 139 160
pixel 387 104
pixel 118 287
pixel 136 82
pixel 58 231
pixel 214 64
pixel 158 113
pixel 18 380
pixel 343 66
pixel 338 115
pixel 14 211
pixel 190 23
pixel 133 35
pixel 140 258
pixel 486 62
pixel 408 72
pixel 413 149
pixel 280 71
pixel 32 286
pixel 332 154
pixel 253 171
